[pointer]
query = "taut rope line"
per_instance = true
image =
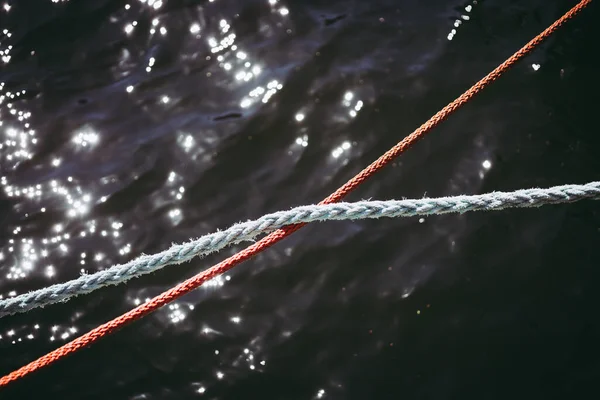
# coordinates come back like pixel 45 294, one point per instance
pixel 192 283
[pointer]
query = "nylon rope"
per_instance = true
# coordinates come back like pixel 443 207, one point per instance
pixel 249 230
pixel 197 280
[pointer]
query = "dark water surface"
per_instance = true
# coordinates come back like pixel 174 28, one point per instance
pixel 127 126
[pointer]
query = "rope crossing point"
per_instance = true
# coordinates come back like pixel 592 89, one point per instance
pixel 192 283
pixel 326 212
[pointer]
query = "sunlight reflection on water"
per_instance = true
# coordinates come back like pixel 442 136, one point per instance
pixel 191 116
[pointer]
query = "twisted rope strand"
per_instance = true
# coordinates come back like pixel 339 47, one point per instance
pixel 194 282
pixel 248 230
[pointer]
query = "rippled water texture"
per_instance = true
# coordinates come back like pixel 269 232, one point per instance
pixel 127 126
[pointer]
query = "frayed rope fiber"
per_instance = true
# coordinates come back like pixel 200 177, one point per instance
pixel 249 230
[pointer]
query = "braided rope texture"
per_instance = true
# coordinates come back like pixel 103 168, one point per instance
pixel 195 281
pixel 249 230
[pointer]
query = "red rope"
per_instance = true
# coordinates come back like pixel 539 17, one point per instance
pixel 276 236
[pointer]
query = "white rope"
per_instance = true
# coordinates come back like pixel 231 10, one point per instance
pixel 249 230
